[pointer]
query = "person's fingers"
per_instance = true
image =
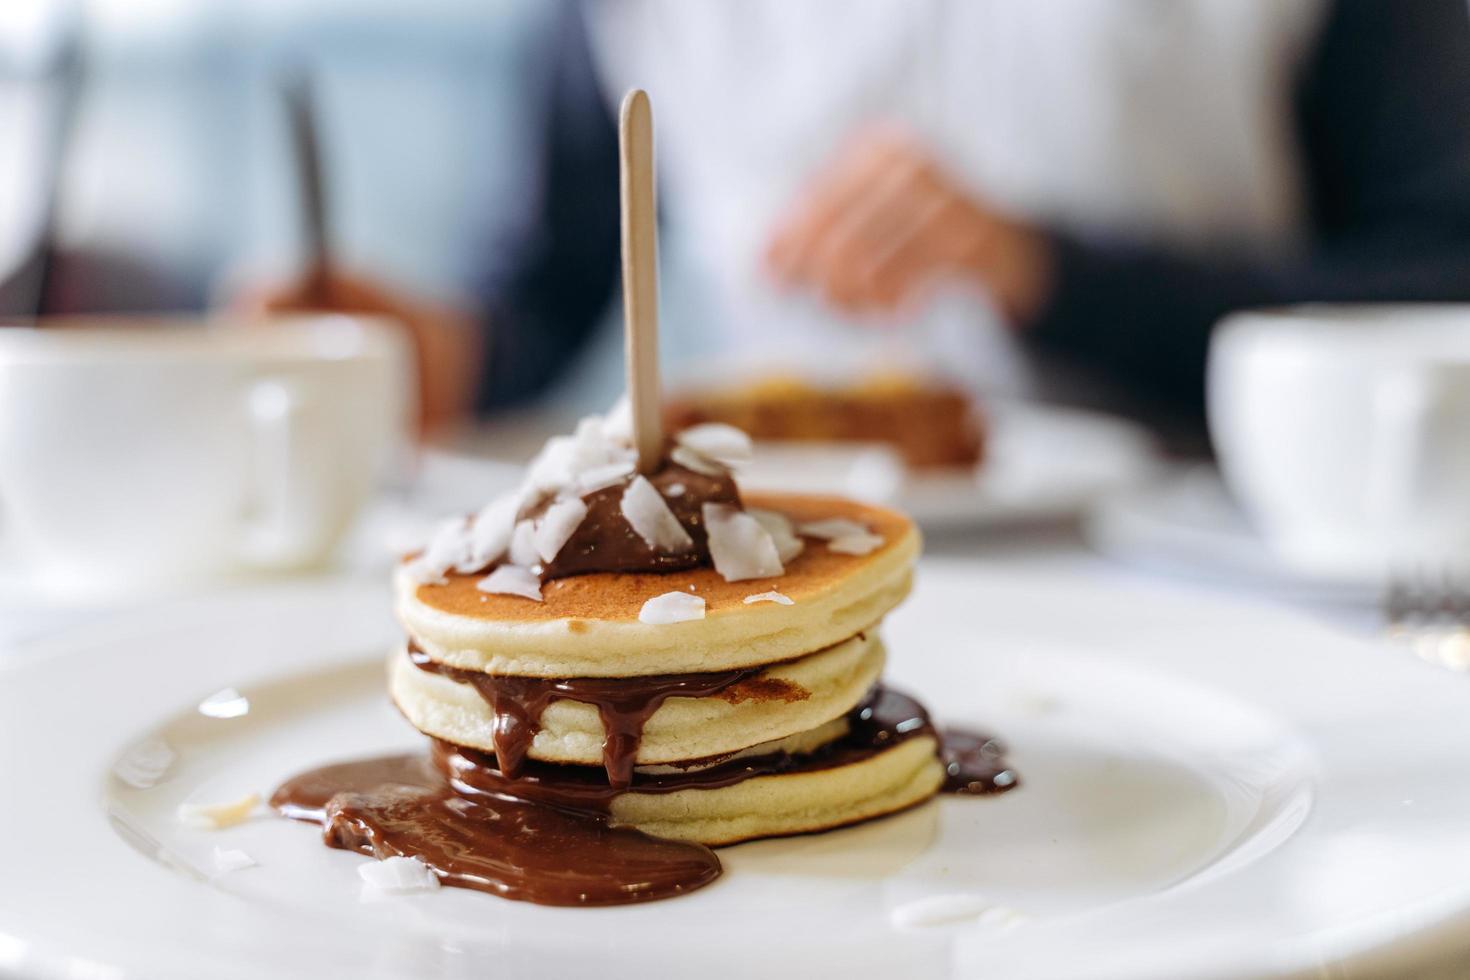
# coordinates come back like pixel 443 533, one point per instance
pixel 830 195
pixel 910 259
pixel 858 241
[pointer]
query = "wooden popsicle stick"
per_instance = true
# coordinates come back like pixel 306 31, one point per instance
pixel 640 276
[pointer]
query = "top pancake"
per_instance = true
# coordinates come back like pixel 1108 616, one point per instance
pixel 588 624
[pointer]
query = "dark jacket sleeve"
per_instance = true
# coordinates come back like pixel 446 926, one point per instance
pixel 1383 112
pixel 546 279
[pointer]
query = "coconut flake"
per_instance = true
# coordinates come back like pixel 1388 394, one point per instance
pixel 691 460
pixel 217 816
pixel 778 526
pixel 771 596
pixel 556 527
pixel 671 607
pixel 602 477
pixel 856 544
pixel 523 545
pixel 397 876
pixel 831 528
pixel 143 764
pixel 741 548
pixel 227 859
pixel 617 422
pixel 674 490
pixel 651 518
pixel 448 547
pixel 489 535
pixel 717 441
pixel 938 910
pixel 511 580
pixel 551 468
pixel 227 703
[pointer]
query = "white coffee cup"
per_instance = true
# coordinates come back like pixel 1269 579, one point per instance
pixel 138 454
pixel 1345 433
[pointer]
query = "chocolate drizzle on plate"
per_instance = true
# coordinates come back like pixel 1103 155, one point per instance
pixel 974 764
pixel 399 805
pixel 545 836
pixel 623 703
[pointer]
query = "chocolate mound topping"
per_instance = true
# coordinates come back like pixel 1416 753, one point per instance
pixel 605 542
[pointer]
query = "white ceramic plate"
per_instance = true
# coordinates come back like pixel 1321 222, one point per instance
pixel 1210 790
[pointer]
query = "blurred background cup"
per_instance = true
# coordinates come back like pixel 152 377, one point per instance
pixel 1345 433
pixel 140 454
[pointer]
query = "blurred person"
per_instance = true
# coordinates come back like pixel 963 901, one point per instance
pixel 1101 180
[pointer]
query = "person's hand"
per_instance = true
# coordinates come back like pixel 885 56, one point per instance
pixel 883 222
pixel 445 339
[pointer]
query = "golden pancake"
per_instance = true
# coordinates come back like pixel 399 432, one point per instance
pixel 797 802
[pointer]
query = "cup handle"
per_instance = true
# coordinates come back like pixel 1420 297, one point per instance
pixel 291 505
pixel 1398 445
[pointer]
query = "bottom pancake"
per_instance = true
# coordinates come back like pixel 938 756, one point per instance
pixel 884 757
pixel 797 802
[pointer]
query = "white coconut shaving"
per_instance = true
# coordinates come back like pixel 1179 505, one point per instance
pixel 741 548
pixel 843 536
pixel 489 534
pixel 778 526
pixel 217 816
pixel 772 596
pixel 617 422
pixel 144 763
pixel 671 607
pixel 602 477
pixel 855 544
pixel 831 528
pixel 691 460
pixel 936 910
pixel 397 876
pixel 651 518
pixel 718 441
pixel 512 580
pixel 523 545
pixel 447 548
pixel 226 703
pixel 591 452
pixel 556 527
pixel 227 859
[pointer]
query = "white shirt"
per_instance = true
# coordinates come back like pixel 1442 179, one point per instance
pixel 1167 119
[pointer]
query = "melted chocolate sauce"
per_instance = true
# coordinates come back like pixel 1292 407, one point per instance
pixel 606 542
pixel 399 805
pixel 623 703
pixel 974 764
pixel 544 837
pixel 884 719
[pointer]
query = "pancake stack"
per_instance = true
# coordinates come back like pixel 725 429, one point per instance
pixel 695 664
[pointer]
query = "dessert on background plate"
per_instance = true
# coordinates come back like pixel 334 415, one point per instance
pixel 618 671
pixel 931 424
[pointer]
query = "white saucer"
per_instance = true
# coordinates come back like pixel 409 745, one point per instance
pixel 1209 790
pixel 1187 525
